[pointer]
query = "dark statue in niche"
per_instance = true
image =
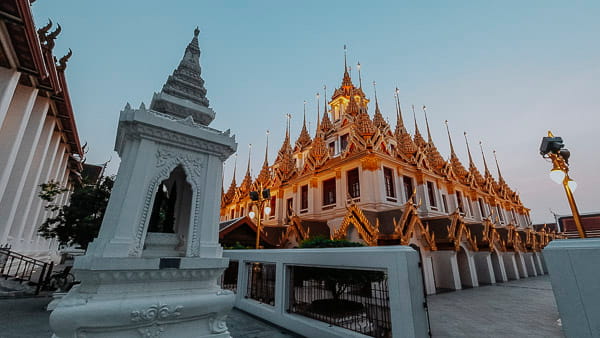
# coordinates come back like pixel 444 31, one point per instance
pixel 163 212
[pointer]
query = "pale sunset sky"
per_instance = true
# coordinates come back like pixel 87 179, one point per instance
pixel 505 72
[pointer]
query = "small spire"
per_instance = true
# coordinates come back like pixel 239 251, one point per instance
pixel 471 163
pixel 359 77
pixel 266 162
pixel 487 172
pixel 234 167
pixel 196 32
pixel 450 140
pixel 429 139
pixel 399 121
pixel 345 63
pixel 500 178
pixel 415 118
pixel 249 155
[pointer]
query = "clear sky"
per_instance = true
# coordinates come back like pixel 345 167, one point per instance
pixel 504 71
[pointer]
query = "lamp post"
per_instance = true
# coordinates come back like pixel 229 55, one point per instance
pixel 259 201
pixel 553 148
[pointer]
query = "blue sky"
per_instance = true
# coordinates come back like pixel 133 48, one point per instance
pixel 504 71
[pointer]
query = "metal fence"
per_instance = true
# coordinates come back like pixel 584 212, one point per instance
pixel 261 282
pixel 23 268
pixel 229 278
pixel 356 300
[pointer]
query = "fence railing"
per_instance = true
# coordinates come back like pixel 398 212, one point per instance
pixel 337 292
pixel 24 268
pixel 229 278
pixel 356 300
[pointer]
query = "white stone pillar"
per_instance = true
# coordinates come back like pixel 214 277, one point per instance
pixel 428 275
pixel 47 162
pixel 483 265
pixel 39 218
pixel 499 267
pixel 30 187
pixel 529 264
pixel 21 169
pixel 445 269
pixel 13 130
pixel 510 265
pixel 9 78
pixel 58 178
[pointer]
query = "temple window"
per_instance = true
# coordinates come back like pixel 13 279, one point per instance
pixel 500 214
pixel 329 192
pixel 390 189
pixel 343 142
pixel 241 212
pixel 445 203
pixel 304 198
pixel 514 216
pixel 331 147
pixel 289 207
pixel 431 195
pixel 481 207
pixel 353 183
pixel 470 207
pixel 232 214
pixel 408 187
pixel 460 204
pixel 273 204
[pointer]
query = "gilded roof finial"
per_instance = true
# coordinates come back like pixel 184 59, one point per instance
pixel 267 150
pixel 471 163
pixel 450 139
pixel 415 118
pixel 196 31
pixel 62 62
pixel 249 155
pixel 359 77
pixel 429 139
pixel 288 116
pixel 487 172
pixel 345 63
pixel 234 167
pixel 500 178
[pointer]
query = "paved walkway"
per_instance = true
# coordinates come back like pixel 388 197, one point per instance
pixel 523 308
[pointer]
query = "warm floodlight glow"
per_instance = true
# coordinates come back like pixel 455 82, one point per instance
pixel 267 210
pixel 557 175
pixel 572 185
pixel 251 214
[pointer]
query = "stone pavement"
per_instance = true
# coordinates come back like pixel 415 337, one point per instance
pixel 523 308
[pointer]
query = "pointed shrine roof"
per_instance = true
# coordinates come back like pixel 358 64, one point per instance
pixel 184 94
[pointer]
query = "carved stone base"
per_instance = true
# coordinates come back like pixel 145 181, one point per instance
pixel 145 302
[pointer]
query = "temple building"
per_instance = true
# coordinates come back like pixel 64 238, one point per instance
pixel 359 178
pixel 38 136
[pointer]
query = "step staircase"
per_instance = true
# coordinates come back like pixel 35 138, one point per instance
pixel 22 275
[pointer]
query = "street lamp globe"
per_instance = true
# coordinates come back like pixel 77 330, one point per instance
pixel 557 175
pixel 252 214
pixel 267 210
pixel 572 185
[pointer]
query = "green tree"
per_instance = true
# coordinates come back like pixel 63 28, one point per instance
pixel 77 222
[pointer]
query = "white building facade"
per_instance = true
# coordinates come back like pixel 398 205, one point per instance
pixel 38 137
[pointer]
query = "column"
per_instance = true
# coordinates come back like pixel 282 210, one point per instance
pixel 30 187
pixel 13 130
pixel 21 169
pixel 9 78
pixel 38 210
pixel 55 176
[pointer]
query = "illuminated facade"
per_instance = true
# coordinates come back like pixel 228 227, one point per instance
pixel 379 185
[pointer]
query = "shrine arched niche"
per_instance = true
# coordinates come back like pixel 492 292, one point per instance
pixel 168 223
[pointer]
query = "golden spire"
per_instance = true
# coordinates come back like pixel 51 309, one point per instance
pixel 418 139
pixel 378 119
pixel 346 81
pixel 471 163
pixel 404 142
pixel 429 139
pixel 326 124
pixel 500 178
pixel 264 175
pixel 304 137
pixel 359 77
pixel 450 140
pixel 487 172
pixel 247 182
pixel 233 186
